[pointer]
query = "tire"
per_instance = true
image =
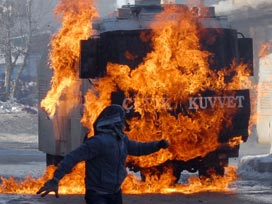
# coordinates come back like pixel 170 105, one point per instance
pixel 213 164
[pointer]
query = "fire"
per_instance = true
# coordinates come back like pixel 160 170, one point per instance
pixel 235 141
pixel 64 57
pixel 31 185
pixel 76 19
pixel 73 183
pixel 164 184
pixel 173 71
pixel 264 49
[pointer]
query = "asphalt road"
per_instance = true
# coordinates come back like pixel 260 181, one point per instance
pixel 252 197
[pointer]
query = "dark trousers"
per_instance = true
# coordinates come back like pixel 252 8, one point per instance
pixel 93 197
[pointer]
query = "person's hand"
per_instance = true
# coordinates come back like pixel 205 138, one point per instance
pixel 50 186
pixel 163 144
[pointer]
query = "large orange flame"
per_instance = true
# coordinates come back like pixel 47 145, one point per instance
pixel 64 57
pixel 73 183
pixel 176 69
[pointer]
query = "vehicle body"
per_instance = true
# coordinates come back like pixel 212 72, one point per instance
pixel 120 35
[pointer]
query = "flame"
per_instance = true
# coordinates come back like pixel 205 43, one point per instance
pixel 64 57
pixel 31 185
pixel 164 184
pixel 173 71
pixel 76 17
pixel 264 49
pixel 73 183
pixel 235 141
pixel 176 69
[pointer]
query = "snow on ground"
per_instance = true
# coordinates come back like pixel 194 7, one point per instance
pixel 14 107
pixel 19 154
pixel 257 167
pixel 255 161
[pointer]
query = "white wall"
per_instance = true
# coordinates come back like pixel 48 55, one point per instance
pixel 264 102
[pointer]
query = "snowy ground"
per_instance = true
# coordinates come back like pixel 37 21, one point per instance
pixel 19 154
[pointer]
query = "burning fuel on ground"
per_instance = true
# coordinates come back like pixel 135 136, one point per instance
pixel 174 75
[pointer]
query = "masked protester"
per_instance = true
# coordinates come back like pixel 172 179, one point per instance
pixel 105 155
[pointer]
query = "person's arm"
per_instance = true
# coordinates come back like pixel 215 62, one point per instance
pixel 87 150
pixel 145 148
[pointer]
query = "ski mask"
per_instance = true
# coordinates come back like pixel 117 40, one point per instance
pixel 111 118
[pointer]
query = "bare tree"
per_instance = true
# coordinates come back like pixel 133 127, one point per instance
pixel 24 51
pixel 21 21
pixel 6 13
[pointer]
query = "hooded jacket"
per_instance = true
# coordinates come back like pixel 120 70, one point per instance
pixel 105 153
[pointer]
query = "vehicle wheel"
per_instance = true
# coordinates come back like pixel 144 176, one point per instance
pixel 213 164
